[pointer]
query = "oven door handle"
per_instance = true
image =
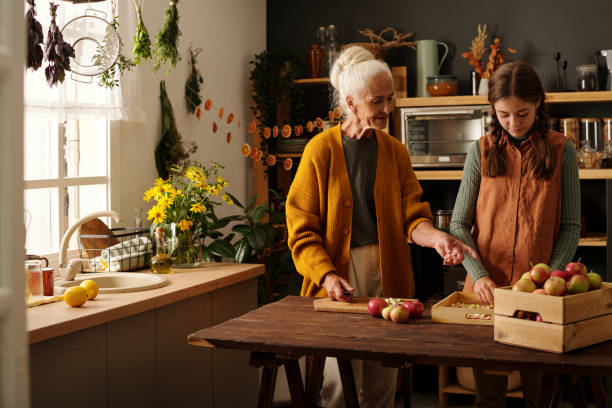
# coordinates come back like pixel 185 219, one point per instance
pixel 441 113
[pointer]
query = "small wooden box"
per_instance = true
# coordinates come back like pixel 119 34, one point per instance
pixel 570 322
pixel 445 312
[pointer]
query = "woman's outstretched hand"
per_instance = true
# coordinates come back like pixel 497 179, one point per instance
pixel 448 247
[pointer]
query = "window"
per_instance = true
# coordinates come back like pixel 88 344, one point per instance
pixel 66 144
pixel 66 176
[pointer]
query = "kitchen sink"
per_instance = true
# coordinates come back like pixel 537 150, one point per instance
pixel 117 282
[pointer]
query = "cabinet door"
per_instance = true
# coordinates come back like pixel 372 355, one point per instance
pixel 69 371
pixel 184 372
pixel 236 382
pixel 131 361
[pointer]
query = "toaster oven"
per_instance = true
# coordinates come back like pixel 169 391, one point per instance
pixel 441 136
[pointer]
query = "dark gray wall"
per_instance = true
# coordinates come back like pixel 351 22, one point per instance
pixel 536 28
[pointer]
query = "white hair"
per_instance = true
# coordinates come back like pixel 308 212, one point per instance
pixel 351 73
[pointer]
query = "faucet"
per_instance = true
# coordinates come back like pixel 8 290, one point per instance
pixel 69 271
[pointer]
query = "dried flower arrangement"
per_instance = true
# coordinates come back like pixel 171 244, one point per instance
pixel 477 50
pixel 192 84
pixel 57 51
pixel 35 38
pixel 141 41
pixel 165 47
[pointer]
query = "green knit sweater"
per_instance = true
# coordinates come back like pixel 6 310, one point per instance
pixel 465 210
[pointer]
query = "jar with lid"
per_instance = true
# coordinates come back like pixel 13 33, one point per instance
pixel 607 139
pixel 587 77
pixel 442 85
pixel 570 128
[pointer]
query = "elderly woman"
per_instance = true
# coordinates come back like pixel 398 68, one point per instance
pixel 353 206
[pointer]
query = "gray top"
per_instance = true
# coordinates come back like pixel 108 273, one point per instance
pixel 465 210
pixel 360 156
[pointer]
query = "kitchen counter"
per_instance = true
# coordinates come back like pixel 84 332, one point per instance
pixel 57 319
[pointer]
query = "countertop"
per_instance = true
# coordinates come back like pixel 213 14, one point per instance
pixel 56 319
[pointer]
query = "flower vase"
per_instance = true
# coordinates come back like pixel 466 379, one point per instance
pixel 185 248
pixel 483 86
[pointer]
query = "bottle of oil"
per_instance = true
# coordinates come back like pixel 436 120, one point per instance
pixel 161 261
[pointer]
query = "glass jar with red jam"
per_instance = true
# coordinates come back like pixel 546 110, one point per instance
pixel 442 85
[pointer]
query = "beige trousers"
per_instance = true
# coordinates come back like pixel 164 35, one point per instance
pixel 375 384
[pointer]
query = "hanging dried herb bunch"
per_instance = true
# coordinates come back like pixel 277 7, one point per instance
pixel 166 41
pixel 35 38
pixel 57 52
pixel 141 41
pixel 170 150
pixel 109 78
pixel 192 85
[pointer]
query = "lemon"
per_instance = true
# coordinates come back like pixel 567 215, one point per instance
pixel 91 287
pixel 75 296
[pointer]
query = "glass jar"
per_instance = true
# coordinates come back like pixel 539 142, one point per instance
pixel 590 134
pixel 587 77
pixel 442 85
pixel 570 128
pixel 33 279
pixel 553 124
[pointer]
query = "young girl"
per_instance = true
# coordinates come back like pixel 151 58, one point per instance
pixel 521 194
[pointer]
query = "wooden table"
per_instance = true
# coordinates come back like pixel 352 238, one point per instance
pixel 281 332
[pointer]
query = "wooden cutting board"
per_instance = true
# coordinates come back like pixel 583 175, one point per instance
pixel 357 305
pixel 93 246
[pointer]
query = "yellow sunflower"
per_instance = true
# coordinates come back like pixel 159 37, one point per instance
pixel 198 208
pixel 184 225
pixel 227 199
pixel 157 214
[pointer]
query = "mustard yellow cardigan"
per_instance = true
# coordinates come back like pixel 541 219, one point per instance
pixel 319 213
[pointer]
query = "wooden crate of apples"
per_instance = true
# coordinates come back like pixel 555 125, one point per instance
pixel 555 311
pixel 396 310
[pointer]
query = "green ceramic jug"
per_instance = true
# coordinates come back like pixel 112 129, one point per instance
pixel 428 63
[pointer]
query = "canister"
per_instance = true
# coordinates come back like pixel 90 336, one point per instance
pixel 570 128
pixel 590 134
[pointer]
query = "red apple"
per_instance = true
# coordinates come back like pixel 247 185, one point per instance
pixel 538 318
pixel 399 314
pixel 577 284
pixel 385 312
pixel 539 273
pixel 594 280
pixel 575 268
pixel 540 291
pixel 559 273
pixel 526 275
pixel 415 308
pixel 524 285
pixel 375 306
pixel 555 286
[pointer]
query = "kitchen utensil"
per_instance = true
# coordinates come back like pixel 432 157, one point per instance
pixel 95 41
pixel 442 219
pixel 607 55
pixel 557 59
pixel 93 246
pixel 564 67
pixel 428 63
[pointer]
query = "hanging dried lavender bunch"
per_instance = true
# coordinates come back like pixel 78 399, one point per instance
pixel 170 149
pixel 57 52
pixel 166 42
pixel 141 41
pixel 35 38
pixel 192 85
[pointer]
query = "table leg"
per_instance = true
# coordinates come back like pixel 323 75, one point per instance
pixel 578 399
pixel 599 394
pixel 348 382
pixel 550 387
pixel 407 385
pixel 296 386
pixel 268 377
pixel 314 379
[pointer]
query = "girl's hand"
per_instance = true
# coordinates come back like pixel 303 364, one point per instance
pixel 483 288
pixel 337 288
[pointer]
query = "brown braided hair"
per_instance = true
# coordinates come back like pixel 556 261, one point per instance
pixel 518 79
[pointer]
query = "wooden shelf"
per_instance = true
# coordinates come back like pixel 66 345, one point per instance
pixel 460 100
pixel 594 240
pixel 457 389
pixel 312 81
pixel 585 174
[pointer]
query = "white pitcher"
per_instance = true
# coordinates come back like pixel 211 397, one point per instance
pixel 428 63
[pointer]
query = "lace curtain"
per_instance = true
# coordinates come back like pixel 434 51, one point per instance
pixel 73 99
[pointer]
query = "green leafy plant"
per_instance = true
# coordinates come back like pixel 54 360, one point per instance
pixel 170 150
pixel 261 234
pixel 276 98
pixel 110 77
pixel 141 42
pixel 165 47
pixel 192 84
